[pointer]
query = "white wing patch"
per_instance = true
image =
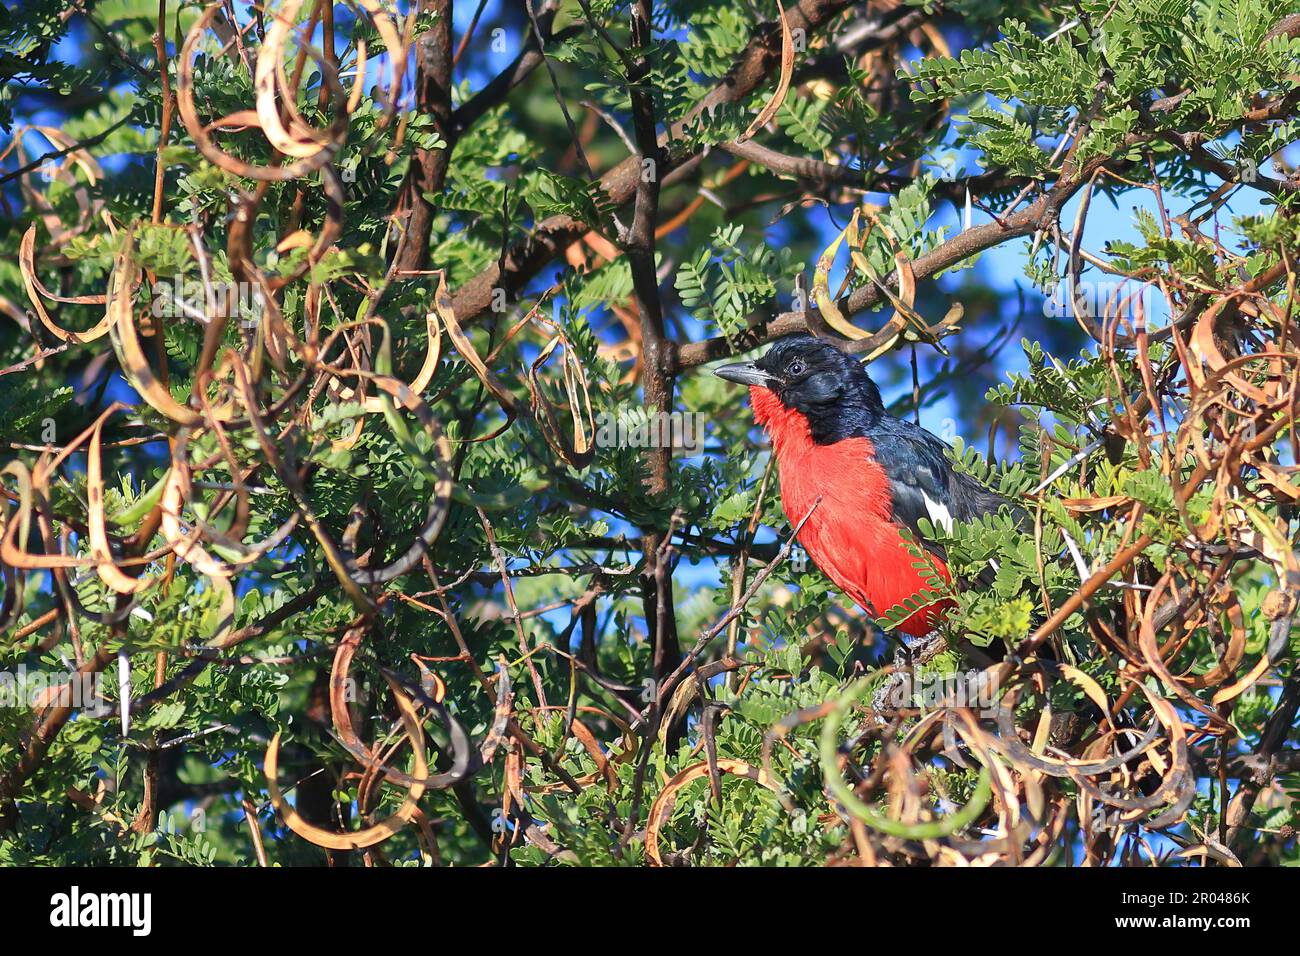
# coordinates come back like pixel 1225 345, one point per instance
pixel 938 514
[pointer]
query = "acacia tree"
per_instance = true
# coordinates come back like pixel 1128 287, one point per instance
pixel 353 363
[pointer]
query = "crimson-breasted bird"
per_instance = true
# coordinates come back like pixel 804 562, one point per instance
pixel 876 474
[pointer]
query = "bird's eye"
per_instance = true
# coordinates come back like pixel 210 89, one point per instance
pixel 795 367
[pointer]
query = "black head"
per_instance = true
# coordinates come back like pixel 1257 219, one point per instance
pixel 831 389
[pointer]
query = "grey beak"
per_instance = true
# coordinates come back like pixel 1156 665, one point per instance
pixel 745 373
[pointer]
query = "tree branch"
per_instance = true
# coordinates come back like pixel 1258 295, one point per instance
pixel 433 96
pixel 528 255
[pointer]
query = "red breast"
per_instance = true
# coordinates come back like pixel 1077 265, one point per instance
pixel 851 536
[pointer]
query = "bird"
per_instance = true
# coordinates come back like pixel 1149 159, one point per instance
pixel 876 476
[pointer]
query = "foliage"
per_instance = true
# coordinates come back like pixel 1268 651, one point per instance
pixel 370 439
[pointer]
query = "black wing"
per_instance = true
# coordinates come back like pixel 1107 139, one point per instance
pixel 923 483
